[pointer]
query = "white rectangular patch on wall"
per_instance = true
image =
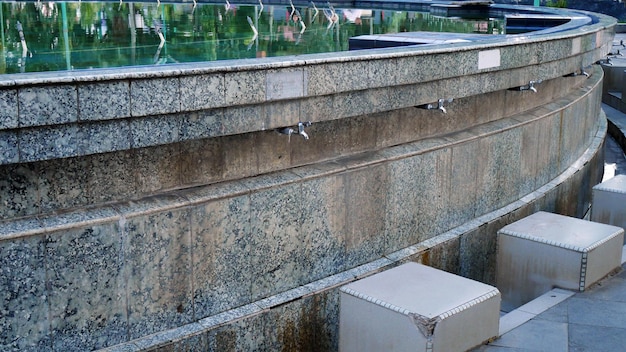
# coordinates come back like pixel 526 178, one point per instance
pixel 488 59
pixel 284 85
pixel 576 46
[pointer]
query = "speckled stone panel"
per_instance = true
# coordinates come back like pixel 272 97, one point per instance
pixel 201 124
pixel 243 119
pixel 154 96
pixel 324 225
pixel 244 87
pixel 47 105
pixel 478 247
pixel 196 343
pixel 445 256
pixel 156 168
pixel 8 108
pixel 154 130
pixel 323 79
pixel 414 95
pixel 276 249
pixel 202 161
pixel 221 255
pixel 325 140
pixel 104 137
pixel 62 184
pixel 316 109
pixel 87 294
pixel 410 216
pixel 299 326
pixel 103 100
pixel 158 268
pixel 19 194
pixel 118 182
pixel 282 114
pixel 498 180
pixel 365 211
pixel 463 175
pixel 43 143
pixel 201 92
pixel 24 322
pixel 9 152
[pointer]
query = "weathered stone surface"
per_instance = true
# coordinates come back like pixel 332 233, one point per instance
pixel 158 268
pixel 24 322
pixel 47 105
pixel 221 255
pixel 103 100
pixel 87 292
pixel 154 96
pixel 8 108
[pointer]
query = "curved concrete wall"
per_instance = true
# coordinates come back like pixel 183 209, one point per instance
pixel 140 219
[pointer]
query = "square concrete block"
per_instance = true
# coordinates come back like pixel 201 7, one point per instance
pixel 609 202
pixel 414 307
pixel 544 250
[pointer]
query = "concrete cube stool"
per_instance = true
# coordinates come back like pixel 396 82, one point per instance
pixel 414 307
pixel 609 202
pixel 545 250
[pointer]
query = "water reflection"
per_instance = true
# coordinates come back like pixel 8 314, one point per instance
pixel 57 36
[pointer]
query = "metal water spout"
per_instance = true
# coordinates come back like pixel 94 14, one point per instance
pixel 301 126
pixel 531 86
pixel 439 105
pixel 288 131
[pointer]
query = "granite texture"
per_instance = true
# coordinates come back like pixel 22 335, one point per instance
pixel 366 196
pixel 156 249
pixel 156 168
pixel 9 152
pixel 154 96
pixel 8 108
pixel 87 293
pixel 201 124
pixel 276 249
pixel 47 105
pixel 221 249
pixel 104 137
pixel 19 194
pixel 25 320
pixel 324 221
pixel 103 100
pixel 244 87
pixel 201 92
pixel 154 130
pixel 63 184
pixel 48 142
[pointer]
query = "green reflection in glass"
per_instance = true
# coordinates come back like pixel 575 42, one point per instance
pixel 82 35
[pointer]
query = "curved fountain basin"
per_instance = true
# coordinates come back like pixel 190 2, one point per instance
pixel 124 190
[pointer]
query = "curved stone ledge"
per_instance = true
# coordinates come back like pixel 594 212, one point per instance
pixel 98 277
pixel 91 112
pixel 495 219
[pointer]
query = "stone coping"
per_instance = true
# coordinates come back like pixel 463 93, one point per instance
pixel 577 27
